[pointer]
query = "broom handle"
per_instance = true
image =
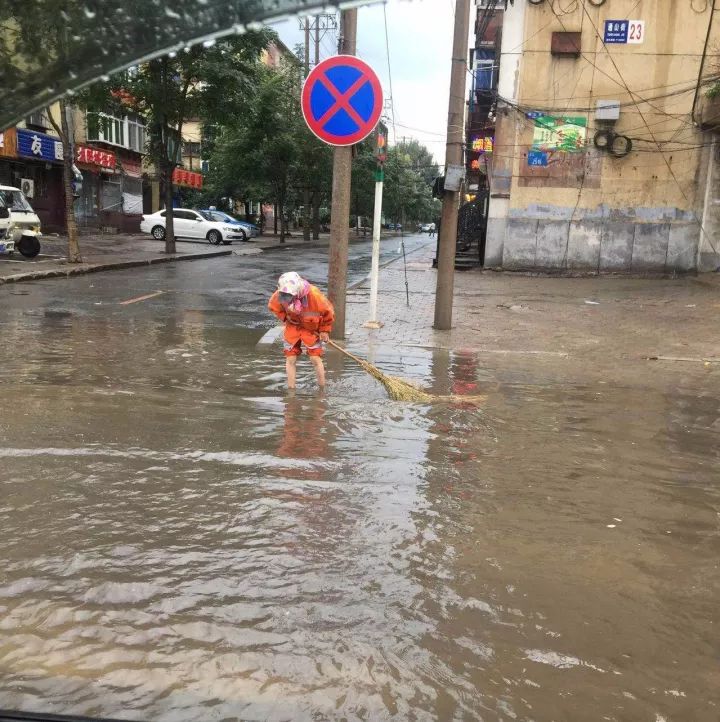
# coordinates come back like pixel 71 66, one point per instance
pixel 346 352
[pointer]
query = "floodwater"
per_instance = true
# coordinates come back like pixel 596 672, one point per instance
pixel 183 540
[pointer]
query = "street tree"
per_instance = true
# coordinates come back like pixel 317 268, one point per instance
pixel 267 152
pixel 32 32
pixel 207 82
pixel 409 173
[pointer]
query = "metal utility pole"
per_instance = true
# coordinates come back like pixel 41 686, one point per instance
pixel 340 211
pixel 454 166
pixel 317 39
pixel 323 24
pixel 380 157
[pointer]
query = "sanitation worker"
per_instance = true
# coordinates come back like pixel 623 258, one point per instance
pixel 308 317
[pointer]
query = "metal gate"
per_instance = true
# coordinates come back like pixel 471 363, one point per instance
pixel 471 232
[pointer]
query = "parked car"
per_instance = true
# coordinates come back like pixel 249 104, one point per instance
pixel 19 224
pixel 192 224
pixel 250 229
pixel 425 228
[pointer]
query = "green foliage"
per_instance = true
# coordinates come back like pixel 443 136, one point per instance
pixel 202 82
pixel 267 152
pixel 407 192
pixel 713 91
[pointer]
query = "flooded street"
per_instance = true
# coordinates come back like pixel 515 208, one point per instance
pixel 184 540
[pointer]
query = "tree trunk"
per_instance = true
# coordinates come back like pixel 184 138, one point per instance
pixel 283 227
pixel 275 219
pixel 74 255
pixel 357 218
pixel 306 214
pixel 316 215
pixel 169 220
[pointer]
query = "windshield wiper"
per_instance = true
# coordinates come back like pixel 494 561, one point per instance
pixel 12 716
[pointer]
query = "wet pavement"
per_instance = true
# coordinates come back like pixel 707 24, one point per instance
pixel 183 540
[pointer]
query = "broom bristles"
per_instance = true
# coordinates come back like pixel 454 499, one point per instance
pixel 400 390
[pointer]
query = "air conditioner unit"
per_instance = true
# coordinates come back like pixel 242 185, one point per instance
pixel 27 186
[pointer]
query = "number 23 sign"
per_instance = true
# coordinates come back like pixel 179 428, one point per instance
pixel 623 32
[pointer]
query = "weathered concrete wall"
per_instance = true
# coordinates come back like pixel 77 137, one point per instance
pixel 639 213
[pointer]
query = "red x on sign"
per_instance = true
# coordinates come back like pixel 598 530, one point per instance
pixel 342 100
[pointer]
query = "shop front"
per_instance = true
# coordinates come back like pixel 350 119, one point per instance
pixel 32 161
pixel 111 196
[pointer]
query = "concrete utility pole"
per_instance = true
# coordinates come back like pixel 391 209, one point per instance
pixel 454 163
pixel 306 189
pixel 340 212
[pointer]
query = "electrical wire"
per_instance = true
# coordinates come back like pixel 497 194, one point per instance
pixel 598 69
pixel 704 56
pixel 667 163
pixel 392 97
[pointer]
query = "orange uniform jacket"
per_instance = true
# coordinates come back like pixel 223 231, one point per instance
pixel 316 317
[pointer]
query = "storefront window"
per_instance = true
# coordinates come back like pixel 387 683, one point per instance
pixel 111 195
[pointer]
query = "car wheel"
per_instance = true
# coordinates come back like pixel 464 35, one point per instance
pixel 29 246
pixel 158 233
pixel 214 237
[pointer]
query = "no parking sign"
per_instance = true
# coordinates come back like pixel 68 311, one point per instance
pixel 342 100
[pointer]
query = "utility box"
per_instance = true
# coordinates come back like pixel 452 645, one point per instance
pixel 565 45
pixel 607 110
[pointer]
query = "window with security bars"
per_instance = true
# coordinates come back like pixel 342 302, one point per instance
pixel 38 119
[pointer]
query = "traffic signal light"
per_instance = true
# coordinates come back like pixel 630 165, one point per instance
pixel 381 144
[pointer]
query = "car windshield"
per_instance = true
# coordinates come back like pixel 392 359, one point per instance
pixel 14 200
pixel 208 216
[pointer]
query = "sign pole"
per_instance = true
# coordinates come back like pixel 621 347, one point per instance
pixel 340 207
pixel 375 269
pixel 380 156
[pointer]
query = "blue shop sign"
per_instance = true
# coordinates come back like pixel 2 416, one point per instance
pixel 616 31
pixel 537 159
pixel 31 144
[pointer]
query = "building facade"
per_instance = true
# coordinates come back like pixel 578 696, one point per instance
pixel 484 61
pixel 601 160
pixel 31 158
pixel 108 153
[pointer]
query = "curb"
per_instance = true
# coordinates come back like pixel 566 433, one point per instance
pixel 115 266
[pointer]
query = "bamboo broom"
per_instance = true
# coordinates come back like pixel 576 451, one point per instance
pixel 400 390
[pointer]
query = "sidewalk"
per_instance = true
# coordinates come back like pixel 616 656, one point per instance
pixel 599 329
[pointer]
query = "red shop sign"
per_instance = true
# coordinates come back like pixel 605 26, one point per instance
pixel 182 177
pixel 95 156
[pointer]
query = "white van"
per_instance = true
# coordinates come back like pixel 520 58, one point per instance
pixel 19 224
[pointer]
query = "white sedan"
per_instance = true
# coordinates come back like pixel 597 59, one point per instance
pixel 192 224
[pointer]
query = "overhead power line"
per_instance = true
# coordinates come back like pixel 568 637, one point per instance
pixel 392 96
pixel 659 148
